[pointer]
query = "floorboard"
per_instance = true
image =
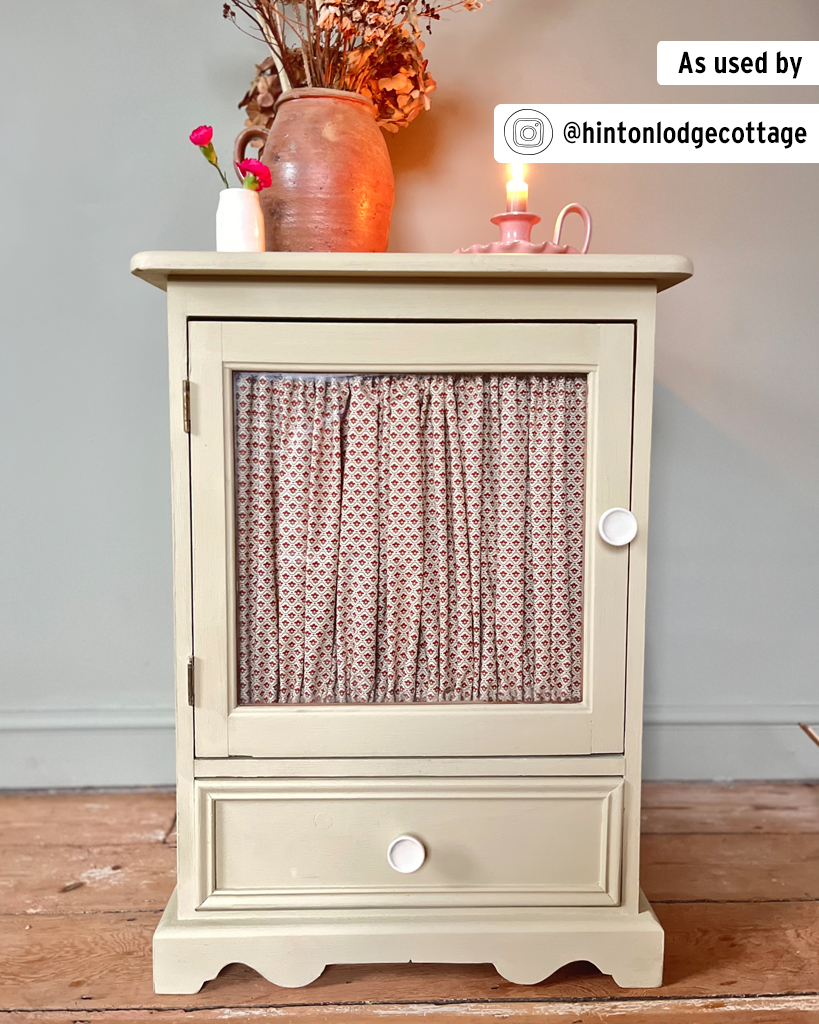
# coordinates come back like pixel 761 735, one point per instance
pixel 80 879
pixel 731 866
pixel 772 807
pixel 85 877
pixel 769 1010
pixel 676 868
pixel 85 818
pixel 104 960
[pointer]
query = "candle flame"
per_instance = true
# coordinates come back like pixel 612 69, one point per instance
pixel 516 172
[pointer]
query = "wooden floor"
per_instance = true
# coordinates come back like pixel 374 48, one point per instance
pixel 732 871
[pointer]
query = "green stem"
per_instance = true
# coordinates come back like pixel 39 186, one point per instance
pixel 221 174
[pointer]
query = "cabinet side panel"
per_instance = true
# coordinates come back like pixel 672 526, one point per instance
pixel 645 310
pixel 181 521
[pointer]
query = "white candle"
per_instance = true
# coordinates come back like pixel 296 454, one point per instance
pixel 517 191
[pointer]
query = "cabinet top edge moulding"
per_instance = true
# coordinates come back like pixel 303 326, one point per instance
pixel 157 268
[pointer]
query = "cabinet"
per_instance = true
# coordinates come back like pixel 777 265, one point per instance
pixel 409 610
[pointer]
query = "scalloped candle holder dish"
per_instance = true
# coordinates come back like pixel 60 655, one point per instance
pixel 516 231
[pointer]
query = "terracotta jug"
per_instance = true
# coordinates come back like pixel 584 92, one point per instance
pixel 333 187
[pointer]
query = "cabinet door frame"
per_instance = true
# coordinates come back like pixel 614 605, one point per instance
pixel 222 728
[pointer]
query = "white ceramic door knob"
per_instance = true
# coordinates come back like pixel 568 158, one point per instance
pixel 617 527
pixel 406 854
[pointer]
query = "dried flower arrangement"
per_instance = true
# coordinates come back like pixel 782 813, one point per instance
pixel 372 47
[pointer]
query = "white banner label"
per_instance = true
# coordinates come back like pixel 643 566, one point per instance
pixel 657 133
pixel 743 63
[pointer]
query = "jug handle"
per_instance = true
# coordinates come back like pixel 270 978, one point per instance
pixel 240 145
pixel 584 213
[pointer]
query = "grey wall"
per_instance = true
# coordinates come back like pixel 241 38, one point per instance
pixel 97 101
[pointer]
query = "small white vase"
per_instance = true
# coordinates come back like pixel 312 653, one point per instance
pixel 239 221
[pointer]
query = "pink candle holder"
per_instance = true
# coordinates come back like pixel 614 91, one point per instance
pixel 516 231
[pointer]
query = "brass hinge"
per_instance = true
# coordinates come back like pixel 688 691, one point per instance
pixel 190 681
pixel 186 406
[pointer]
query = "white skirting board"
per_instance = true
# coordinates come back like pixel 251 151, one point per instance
pixel 134 747
pixel 94 755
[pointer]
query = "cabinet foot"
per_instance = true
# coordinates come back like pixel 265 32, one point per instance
pixel 630 949
pixel 291 950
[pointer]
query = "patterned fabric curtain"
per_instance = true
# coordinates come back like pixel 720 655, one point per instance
pixel 409 537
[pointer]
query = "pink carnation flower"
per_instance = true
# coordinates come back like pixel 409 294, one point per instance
pixel 202 135
pixel 256 174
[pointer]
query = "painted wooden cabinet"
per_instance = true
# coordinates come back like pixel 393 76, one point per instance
pixel 410 499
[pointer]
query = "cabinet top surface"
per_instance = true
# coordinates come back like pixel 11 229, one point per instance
pixel 159 267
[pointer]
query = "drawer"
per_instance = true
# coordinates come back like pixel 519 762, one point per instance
pixel 485 842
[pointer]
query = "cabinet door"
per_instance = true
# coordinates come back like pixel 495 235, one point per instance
pixel 395 544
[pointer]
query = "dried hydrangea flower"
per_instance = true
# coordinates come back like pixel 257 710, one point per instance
pixel 372 47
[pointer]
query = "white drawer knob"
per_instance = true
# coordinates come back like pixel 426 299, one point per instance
pixel 617 527
pixel 406 854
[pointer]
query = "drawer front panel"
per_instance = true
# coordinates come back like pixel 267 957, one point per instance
pixel 488 842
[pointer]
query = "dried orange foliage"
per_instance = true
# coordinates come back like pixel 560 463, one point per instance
pixel 261 97
pixel 372 47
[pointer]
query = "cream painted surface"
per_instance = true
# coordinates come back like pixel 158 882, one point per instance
pixel 157 267
pixel 604 352
pixel 322 843
pixel 235 824
pixel 387 298
pixel 428 767
pixel 292 948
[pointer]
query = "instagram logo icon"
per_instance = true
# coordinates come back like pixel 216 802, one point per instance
pixel 528 132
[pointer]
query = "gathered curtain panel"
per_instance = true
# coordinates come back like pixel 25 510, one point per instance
pixel 409 537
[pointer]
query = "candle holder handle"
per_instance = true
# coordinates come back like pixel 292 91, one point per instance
pixel 586 217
